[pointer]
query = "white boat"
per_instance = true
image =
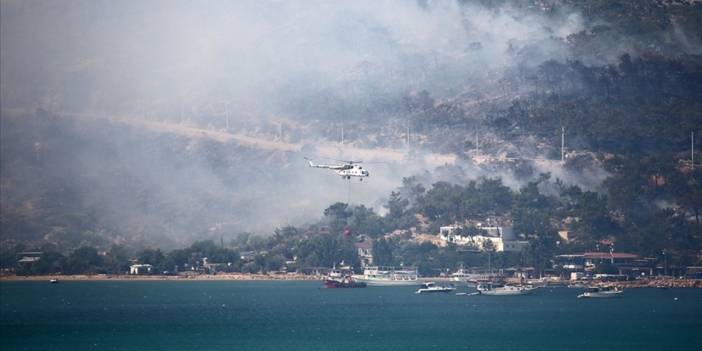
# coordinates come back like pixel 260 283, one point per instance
pixel 603 292
pixel 465 275
pixel 388 276
pixel 495 289
pixel 431 287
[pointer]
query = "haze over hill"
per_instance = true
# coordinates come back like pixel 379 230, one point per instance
pixel 163 122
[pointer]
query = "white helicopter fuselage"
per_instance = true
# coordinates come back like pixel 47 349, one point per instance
pixel 346 171
pixel 356 171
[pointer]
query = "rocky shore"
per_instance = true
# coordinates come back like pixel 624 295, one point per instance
pixel 661 283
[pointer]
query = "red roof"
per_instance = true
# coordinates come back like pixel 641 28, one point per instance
pixel 608 255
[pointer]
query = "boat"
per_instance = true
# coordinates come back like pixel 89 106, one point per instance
pixel 336 279
pixel 431 287
pixel 600 292
pixel 465 275
pixel 53 281
pixel 498 289
pixel 388 276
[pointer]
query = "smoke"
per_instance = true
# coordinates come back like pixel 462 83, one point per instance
pixel 261 57
pixel 172 76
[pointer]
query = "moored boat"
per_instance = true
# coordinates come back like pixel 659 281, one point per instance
pixel 497 289
pixel 600 292
pixel 431 287
pixel 388 276
pixel 471 278
pixel 336 279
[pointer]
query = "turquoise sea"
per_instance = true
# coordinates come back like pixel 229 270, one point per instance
pixel 280 315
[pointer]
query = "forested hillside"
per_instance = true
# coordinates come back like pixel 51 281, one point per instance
pixel 496 86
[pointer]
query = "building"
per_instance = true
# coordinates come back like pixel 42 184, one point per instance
pixel 247 256
pixel 26 261
pixel 138 268
pixel 212 267
pixel 29 257
pixel 625 264
pixel 365 251
pixel 499 238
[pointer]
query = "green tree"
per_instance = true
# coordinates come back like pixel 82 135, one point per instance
pixel 337 216
pixel 117 260
pixel 82 260
pixel 383 252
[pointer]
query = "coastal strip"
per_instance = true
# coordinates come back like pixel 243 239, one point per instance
pixel 125 277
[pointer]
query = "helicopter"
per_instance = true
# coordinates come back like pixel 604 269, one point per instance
pixel 346 170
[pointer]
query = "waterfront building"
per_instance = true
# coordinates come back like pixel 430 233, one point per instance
pixel 625 264
pixel 500 239
pixel 138 268
pixel 365 251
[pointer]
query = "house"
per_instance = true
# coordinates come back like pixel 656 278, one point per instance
pixel 138 268
pixel 27 260
pixel 29 257
pixel 247 256
pixel 500 239
pixel 212 267
pixel 365 251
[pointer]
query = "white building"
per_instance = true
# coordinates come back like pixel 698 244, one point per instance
pixel 140 269
pixel 365 252
pixel 502 238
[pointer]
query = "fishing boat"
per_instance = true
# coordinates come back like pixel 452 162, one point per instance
pixel 336 279
pixel 498 289
pixel 388 276
pixel 600 292
pixel 431 287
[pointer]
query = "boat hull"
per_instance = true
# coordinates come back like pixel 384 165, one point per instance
pixel 607 295
pixel 435 291
pixel 386 282
pixel 506 292
pixel 335 284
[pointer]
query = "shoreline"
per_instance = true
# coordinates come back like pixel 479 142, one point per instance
pixel 651 283
pixel 126 277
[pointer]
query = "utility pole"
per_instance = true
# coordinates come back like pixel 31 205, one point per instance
pixel 226 114
pixel 562 144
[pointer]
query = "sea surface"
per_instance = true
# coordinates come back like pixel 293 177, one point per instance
pixel 284 315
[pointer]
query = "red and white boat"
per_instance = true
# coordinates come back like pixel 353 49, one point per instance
pixel 337 279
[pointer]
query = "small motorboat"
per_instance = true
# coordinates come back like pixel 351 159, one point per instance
pixel 497 289
pixel 53 281
pixel 431 287
pixel 600 292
